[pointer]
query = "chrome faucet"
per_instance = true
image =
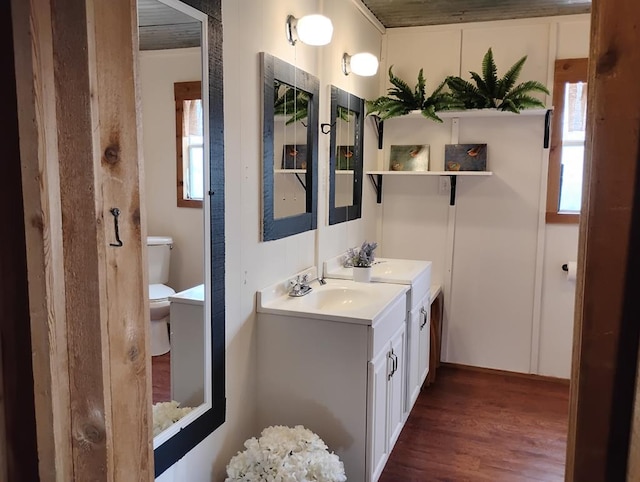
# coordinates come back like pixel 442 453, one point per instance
pixel 299 286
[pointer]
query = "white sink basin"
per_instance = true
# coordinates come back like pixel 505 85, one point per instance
pixel 337 300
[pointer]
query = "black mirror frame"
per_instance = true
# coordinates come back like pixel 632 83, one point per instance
pixel 276 69
pixel 341 98
pixel 192 434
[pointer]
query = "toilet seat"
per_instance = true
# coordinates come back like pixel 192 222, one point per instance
pixel 160 293
pixel 159 301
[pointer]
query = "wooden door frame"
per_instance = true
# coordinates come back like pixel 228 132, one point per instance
pixel 18 446
pixel 606 332
pixel 88 317
pixel 604 347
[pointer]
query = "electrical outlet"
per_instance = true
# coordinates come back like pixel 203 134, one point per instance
pixel 445 185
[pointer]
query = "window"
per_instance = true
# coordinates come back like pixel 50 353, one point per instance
pixel 189 144
pixel 566 156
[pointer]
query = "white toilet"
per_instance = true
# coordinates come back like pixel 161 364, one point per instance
pixel 159 253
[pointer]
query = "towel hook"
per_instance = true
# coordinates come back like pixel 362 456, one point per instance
pixel 116 213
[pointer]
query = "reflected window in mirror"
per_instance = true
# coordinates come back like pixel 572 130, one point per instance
pixel 189 144
pixel 346 147
pixel 290 149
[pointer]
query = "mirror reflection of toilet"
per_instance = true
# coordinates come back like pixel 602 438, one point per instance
pixel 159 255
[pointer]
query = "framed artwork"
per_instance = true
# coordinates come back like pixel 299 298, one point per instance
pixel 294 156
pixel 344 158
pixel 409 158
pixel 465 157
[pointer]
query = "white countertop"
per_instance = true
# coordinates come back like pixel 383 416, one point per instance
pixel 385 270
pixel 191 296
pixel 349 301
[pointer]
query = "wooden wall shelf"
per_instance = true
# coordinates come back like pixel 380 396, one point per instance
pixel 376 179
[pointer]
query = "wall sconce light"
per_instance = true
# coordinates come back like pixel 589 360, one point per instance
pixel 364 64
pixel 310 29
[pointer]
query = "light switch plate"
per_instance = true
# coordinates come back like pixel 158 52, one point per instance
pixel 444 185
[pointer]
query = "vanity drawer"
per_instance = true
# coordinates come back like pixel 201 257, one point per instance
pixel 384 328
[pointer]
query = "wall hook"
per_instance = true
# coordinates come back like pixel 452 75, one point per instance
pixel 325 128
pixel 116 213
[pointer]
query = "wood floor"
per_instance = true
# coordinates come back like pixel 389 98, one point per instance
pixel 161 377
pixel 479 426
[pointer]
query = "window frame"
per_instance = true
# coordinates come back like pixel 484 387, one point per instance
pixel 566 71
pixel 184 91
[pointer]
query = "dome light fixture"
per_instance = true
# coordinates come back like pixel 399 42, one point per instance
pixel 363 64
pixel 311 29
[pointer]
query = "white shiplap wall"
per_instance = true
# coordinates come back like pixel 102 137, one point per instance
pixel 509 306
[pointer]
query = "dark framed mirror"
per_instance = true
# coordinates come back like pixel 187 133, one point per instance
pixel 345 155
pixel 197 382
pixel 290 149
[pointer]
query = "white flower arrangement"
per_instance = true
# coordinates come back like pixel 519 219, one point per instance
pixel 284 454
pixel 166 414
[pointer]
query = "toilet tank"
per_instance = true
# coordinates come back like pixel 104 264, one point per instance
pixel 159 254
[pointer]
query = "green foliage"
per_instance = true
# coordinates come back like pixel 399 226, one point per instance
pixel 289 101
pixel 401 99
pixel 490 92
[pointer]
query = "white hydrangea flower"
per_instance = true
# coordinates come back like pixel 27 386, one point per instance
pixel 284 454
pixel 166 414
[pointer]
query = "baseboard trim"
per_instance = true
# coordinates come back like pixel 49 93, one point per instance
pixel 530 376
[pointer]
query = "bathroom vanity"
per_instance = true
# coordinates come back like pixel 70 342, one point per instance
pixel 334 361
pixel 416 275
pixel 188 347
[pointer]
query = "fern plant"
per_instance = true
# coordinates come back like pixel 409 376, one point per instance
pixel 290 101
pixel 490 92
pixel 401 99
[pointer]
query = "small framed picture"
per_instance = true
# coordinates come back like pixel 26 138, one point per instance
pixel 465 157
pixel 409 158
pixel 294 156
pixel 344 158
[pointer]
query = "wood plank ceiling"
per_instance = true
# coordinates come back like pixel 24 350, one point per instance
pixel 412 13
pixel 162 27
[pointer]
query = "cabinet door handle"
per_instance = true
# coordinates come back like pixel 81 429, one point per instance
pixel 395 363
pixel 424 315
pixel 390 358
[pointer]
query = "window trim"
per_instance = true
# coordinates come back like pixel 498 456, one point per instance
pixel 184 91
pixel 566 71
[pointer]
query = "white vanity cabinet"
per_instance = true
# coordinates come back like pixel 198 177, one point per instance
pixel 417 275
pixel 418 348
pixel 343 379
pixel 386 404
pixel 188 347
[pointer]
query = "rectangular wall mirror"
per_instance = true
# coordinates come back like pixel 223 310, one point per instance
pixel 290 149
pixel 345 153
pixel 180 80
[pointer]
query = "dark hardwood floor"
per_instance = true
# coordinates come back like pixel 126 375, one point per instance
pixel 161 377
pixel 482 426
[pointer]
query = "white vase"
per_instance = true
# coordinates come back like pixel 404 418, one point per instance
pixel 362 274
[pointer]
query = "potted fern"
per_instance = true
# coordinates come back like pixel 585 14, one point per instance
pixel 401 99
pixel 490 92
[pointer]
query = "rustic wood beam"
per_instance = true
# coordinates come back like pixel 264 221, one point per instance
pixel 606 328
pixel 118 156
pixel 34 62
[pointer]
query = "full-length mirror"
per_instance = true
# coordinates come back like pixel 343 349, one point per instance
pixel 290 149
pixel 180 87
pixel 345 171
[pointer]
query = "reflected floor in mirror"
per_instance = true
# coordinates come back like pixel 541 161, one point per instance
pixel 161 377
